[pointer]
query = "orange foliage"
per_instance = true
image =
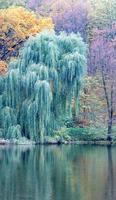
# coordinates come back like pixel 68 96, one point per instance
pixel 3 67
pixel 16 25
pixel 23 22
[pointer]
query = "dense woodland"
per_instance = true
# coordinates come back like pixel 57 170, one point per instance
pixel 58 69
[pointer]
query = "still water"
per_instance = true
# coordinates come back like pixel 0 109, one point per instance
pixel 58 173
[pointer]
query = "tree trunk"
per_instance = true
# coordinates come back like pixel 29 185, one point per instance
pixel 109 102
pixel 110 122
pixel 109 137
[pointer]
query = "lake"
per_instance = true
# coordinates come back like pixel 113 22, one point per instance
pixel 66 172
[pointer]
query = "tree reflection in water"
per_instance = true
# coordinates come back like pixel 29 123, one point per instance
pixel 57 173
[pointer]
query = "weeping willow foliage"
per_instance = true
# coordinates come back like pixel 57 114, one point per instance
pixel 36 94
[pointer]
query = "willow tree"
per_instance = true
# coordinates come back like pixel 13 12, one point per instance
pixel 36 94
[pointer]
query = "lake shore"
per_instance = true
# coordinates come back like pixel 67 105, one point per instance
pixel 81 143
pixel 54 142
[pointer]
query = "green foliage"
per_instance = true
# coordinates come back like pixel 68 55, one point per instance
pixel 37 92
pixel 103 13
pixel 62 135
pixel 82 134
pixel 7 3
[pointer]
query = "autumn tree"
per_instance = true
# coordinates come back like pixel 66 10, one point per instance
pixel 92 104
pixel 103 57
pixel 16 25
pixel 71 16
pixel 75 19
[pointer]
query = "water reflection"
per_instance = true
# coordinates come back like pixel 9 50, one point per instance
pixel 57 173
pixel 110 176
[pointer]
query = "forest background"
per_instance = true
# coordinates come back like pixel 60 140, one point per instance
pixel 95 21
